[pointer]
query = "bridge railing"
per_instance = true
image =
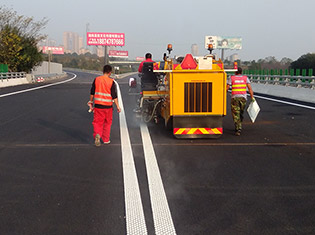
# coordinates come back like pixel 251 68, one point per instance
pixel 14 75
pixel 284 80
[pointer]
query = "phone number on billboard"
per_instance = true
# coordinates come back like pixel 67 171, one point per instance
pixel 106 42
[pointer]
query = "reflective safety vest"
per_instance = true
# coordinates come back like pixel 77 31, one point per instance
pixel 102 94
pixel 238 84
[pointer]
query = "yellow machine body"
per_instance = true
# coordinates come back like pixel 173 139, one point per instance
pixel 195 100
pixel 195 92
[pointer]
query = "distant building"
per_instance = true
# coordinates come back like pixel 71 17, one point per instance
pixel 72 42
pixel 81 44
pixel 94 50
pixel 194 50
pixel 100 51
pixel 47 42
pixel 84 51
pixel 233 57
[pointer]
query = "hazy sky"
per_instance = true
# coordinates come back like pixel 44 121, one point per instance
pixel 280 28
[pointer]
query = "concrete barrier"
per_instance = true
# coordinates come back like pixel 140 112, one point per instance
pixel 13 82
pixel 46 71
pixel 47 68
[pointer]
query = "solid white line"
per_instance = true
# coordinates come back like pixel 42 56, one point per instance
pixel 40 87
pixel 163 222
pixel 285 102
pixel 134 210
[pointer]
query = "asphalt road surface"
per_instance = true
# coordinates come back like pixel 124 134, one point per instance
pixel 55 181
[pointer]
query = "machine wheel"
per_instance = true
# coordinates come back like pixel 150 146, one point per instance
pixel 146 111
pixel 169 124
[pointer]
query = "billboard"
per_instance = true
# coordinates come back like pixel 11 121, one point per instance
pixel 121 54
pixel 105 39
pixel 53 50
pixel 139 58
pixel 221 42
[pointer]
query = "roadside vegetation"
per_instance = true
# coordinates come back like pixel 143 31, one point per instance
pixel 19 36
pixel 305 62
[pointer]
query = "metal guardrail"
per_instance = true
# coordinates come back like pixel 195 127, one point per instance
pixel 15 75
pixel 284 80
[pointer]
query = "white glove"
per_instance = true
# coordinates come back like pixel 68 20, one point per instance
pixel 90 104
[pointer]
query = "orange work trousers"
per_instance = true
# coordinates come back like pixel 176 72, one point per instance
pixel 102 123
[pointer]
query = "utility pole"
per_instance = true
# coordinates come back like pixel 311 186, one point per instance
pixel 49 60
pixel 106 55
pixel 87 29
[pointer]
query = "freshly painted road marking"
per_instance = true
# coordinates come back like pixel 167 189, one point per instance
pixel 282 101
pixel 133 205
pixel 285 102
pixel 163 222
pixel 40 87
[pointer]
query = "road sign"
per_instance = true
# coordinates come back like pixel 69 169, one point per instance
pixel 120 54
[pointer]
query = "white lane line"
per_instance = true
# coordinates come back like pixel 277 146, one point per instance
pixel 40 87
pixel 285 102
pixel 134 210
pixel 163 222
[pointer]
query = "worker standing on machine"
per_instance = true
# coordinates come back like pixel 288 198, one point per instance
pixel 148 58
pixel 239 83
pixel 162 64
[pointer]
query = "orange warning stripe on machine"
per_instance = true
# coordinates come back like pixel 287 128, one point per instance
pixel 198 131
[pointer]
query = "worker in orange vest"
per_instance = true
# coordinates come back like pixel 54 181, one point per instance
pixel 239 84
pixel 103 93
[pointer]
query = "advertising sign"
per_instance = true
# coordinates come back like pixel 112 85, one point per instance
pixel 53 50
pixel 105 39
pixel 121 54
pixel 140 58
pixel 220 42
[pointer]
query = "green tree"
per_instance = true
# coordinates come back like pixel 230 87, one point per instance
pixel 254 66
pixel 10 47
pixel 306 61
pixel 19 36
pixel 30 56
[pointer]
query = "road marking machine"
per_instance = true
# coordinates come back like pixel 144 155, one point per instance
pixel 189 94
